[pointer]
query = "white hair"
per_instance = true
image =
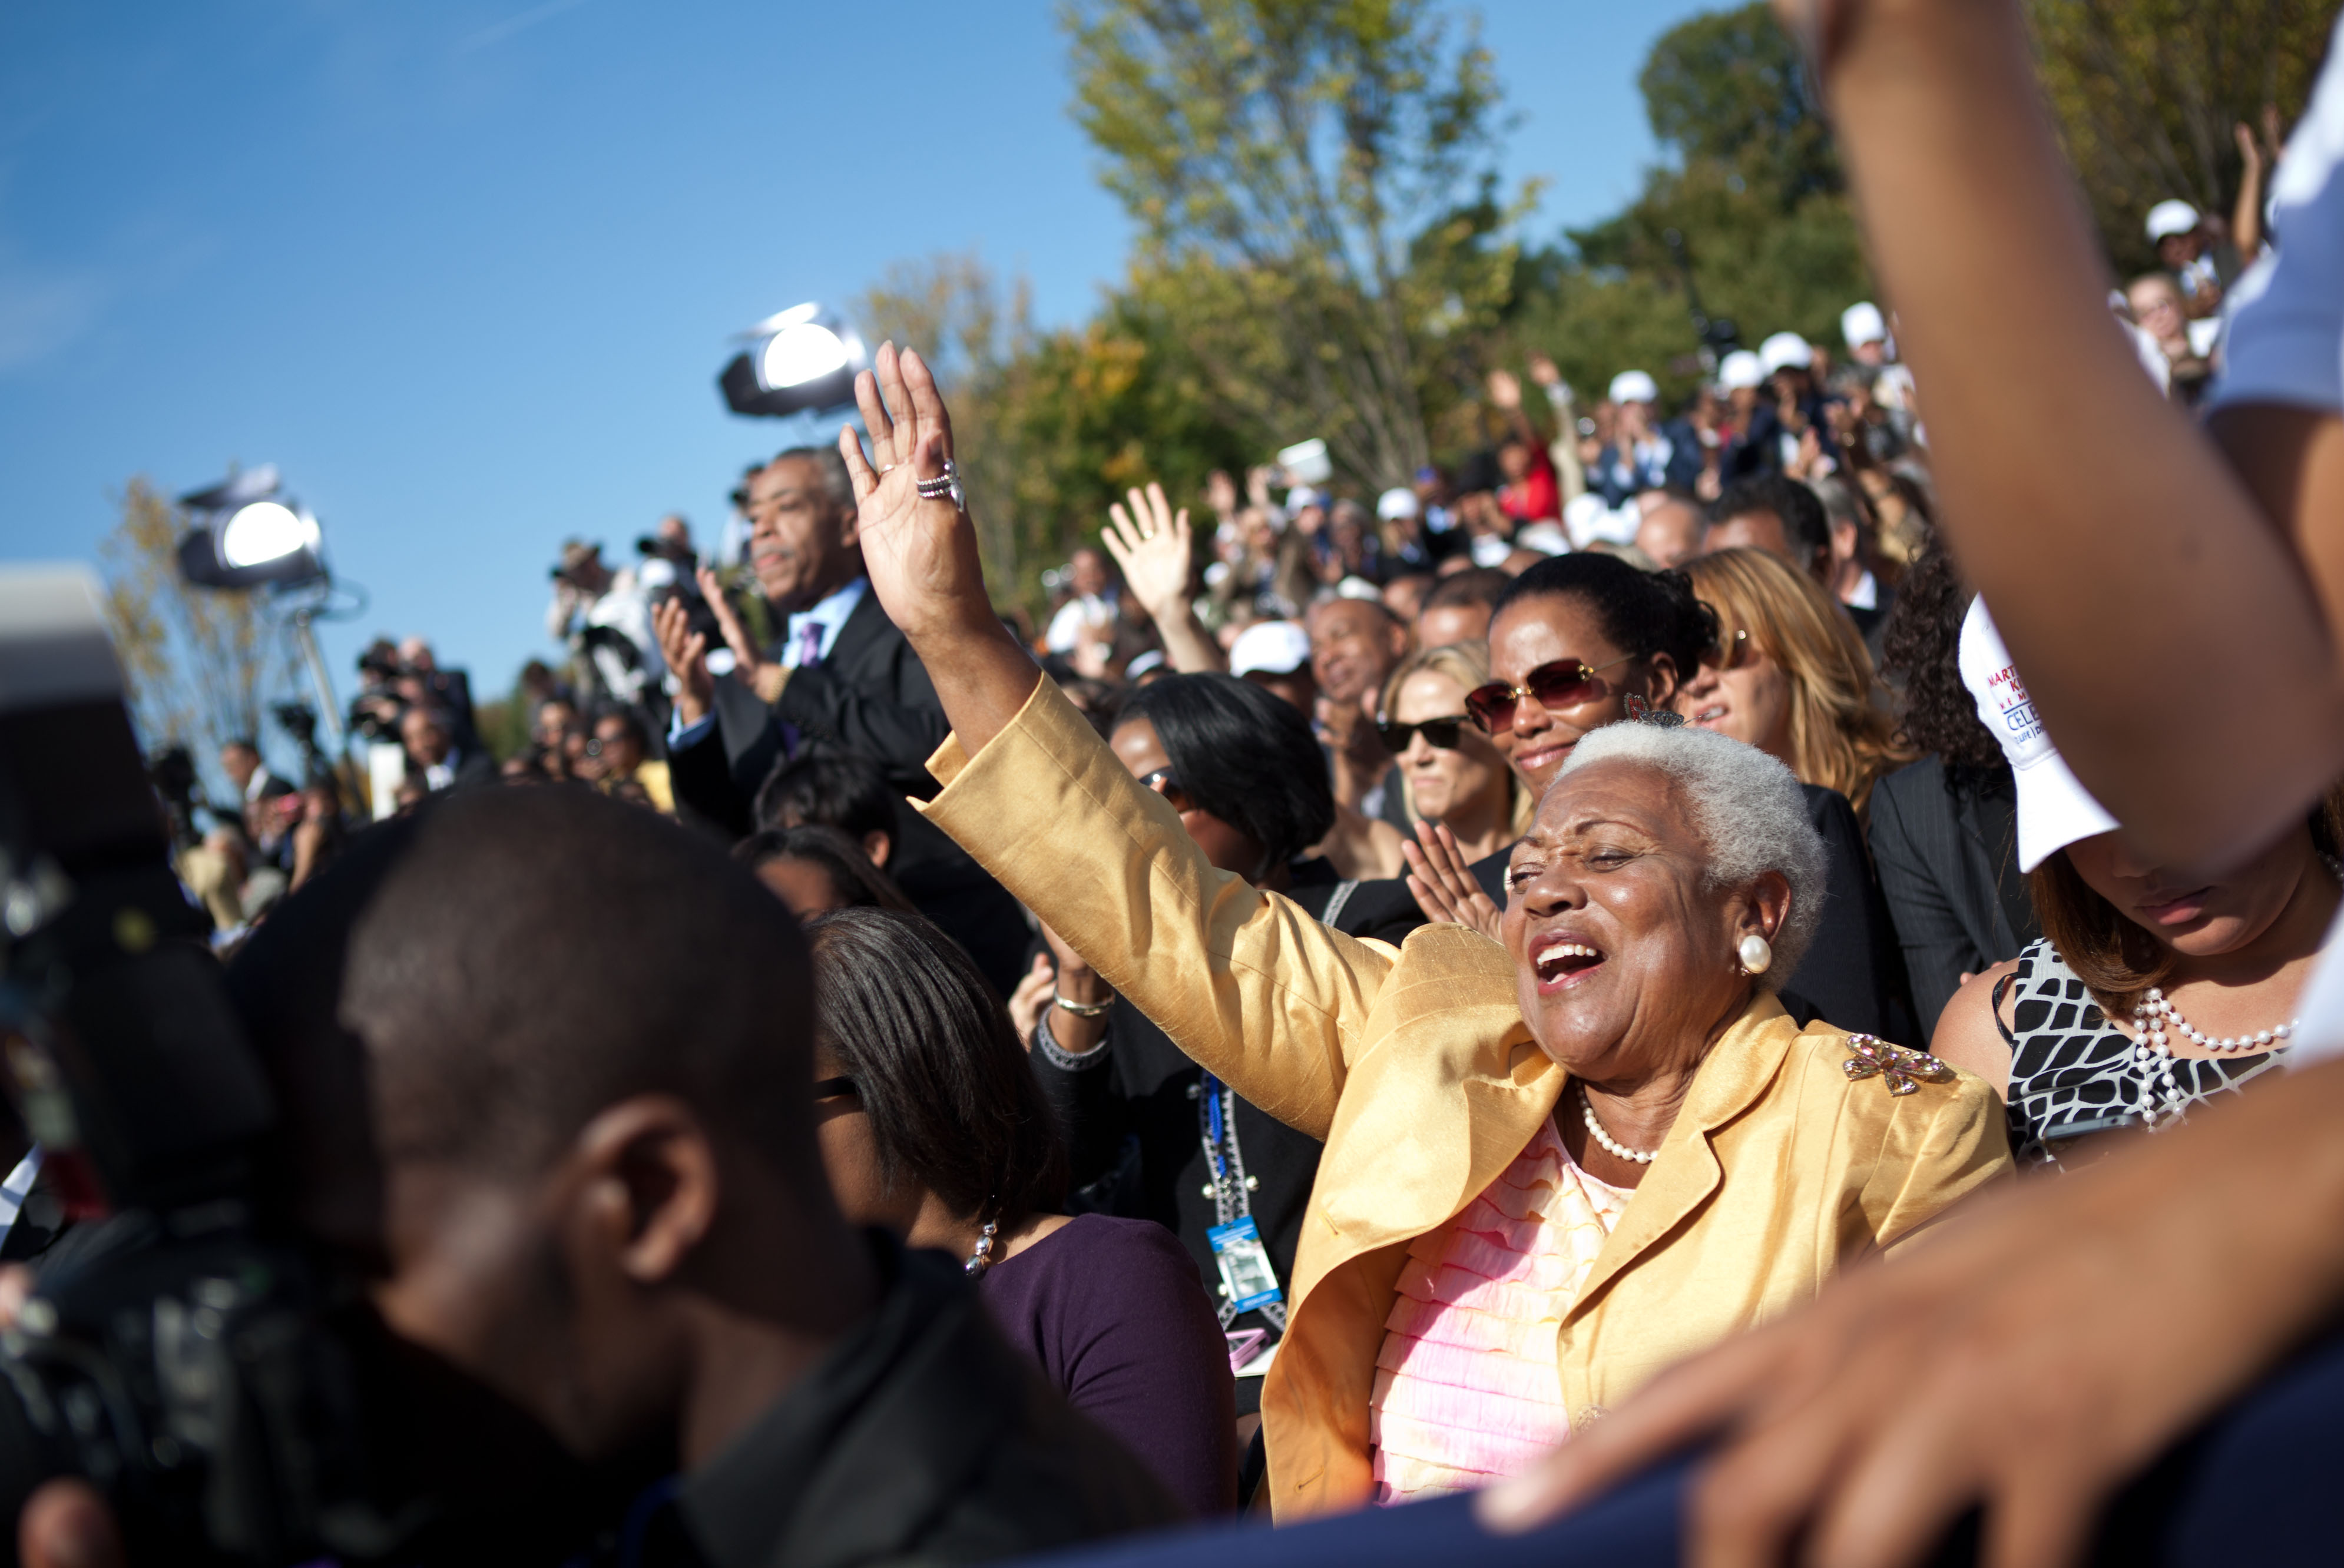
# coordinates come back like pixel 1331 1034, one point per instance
pixel 1748 809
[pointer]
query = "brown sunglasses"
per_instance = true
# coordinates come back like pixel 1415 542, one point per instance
pixel 1728 652
pixel 1565 683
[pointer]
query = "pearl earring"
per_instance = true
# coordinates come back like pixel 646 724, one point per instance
pixel 1756 954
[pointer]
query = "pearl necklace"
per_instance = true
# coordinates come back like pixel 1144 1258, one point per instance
pixel 2153 1059
pixel 1610 1144
pixel 982 1258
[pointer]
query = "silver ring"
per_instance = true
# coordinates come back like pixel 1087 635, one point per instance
pixel 937 487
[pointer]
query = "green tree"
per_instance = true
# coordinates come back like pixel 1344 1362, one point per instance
pixel 1298 169
pixel 2147 94
pixel 198 662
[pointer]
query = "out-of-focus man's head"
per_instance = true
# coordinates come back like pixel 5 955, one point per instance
pixel 1773 512
pixel 1671 527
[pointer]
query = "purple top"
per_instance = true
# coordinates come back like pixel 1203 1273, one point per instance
pixel 1114 1311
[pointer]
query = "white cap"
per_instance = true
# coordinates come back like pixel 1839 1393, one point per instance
pixel 1359 587
pixel 1861 322
pixel 1153 658
pixel 1786 351
pixel 1588 519
pixel 1634 386
pixel 2171 217
pixel 1302 495
pixel 2055 809
pixel 1400 501
pixel 1270 648
pixel 1741 368
pixel 1548 538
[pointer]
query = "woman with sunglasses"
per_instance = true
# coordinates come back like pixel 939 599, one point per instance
pixel 1789 675
pixel 1576 641
pixel 1449 773
pixel 1553 1166
pixel 930 1125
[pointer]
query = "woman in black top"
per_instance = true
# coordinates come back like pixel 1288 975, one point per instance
pixel 1151 1134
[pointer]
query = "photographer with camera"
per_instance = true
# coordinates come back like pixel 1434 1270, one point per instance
pixel 568 1114
pixel 604 617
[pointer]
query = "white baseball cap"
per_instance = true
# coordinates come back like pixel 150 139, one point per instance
pixel 1741 368
pixel 2055 809
pixel 1634 386
pixel 1547 537
pixel 1786 351
pixel 1270 648
pixel 2171 217
pixel 1400 501
pixel 1302 495
pixel 1861 322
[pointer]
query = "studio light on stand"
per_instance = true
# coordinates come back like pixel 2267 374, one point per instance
pixel 801 362
pixel 249 534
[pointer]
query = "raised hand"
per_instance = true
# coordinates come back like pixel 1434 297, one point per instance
pixel 1505 391
pixel 686 652
pixel 1443 883
pixel 1032 995
pixel 1151 544
pixel 920 550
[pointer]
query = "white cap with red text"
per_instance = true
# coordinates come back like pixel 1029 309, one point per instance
pixel 2055 809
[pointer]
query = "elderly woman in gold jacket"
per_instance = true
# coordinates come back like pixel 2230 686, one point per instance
pixel 1553 1166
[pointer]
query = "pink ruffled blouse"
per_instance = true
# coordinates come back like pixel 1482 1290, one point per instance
pixel 1467 1386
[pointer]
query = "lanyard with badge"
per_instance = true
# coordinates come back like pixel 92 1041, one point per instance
pixel 1248 1282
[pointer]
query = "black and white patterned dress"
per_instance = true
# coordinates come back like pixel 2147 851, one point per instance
pixel 2072 1072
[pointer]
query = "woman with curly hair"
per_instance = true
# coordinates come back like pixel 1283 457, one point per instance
pixel 1789 675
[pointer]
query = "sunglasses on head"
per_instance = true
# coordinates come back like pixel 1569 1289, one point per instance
pixel 1440 733
pixel 1165 784
pixel 1565 683
pixel 1728 652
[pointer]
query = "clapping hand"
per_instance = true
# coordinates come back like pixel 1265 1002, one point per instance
pixel 1151 544
pixel 1444 885
pixel 765 677
pixel 686 652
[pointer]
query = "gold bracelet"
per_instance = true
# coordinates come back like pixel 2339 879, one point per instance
pixel 1081 1009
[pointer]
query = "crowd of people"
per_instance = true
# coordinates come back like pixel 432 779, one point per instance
pixel 1382 994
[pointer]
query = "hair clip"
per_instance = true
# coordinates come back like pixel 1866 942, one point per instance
pixel 1643 712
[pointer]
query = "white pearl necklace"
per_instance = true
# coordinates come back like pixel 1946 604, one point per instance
pixel 1610 1144
pixel 2153 1055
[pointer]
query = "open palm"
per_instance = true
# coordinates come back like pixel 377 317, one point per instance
pixel 919 550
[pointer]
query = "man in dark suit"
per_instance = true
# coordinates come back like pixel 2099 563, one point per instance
pixel 432 754
pixel 840 678
pixel 1945 841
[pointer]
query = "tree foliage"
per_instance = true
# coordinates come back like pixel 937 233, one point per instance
pixel 1305 175
pixel 198 662
pixel 2148 93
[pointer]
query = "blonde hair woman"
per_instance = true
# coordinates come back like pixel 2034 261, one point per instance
pixel 1449 772
pixel 1789 675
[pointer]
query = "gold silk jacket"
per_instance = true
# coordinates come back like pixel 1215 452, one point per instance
pixel 1414 1065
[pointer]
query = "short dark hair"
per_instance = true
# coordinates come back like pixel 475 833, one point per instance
pixel 541 954
pixel 1245 755
pixel 1806 525
pixel 842 789
pixel 836 481
pixel 1476 584
pixel 246 741
pixel 1642 613
pixel 858 882
pixel 637 730
pixel 952 1101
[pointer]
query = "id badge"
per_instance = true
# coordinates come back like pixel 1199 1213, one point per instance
pixel 1245 1266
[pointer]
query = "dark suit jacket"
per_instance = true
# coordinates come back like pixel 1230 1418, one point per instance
pixel 920 1437
pixel 872 696
pixel 1853 978
pixel 1948 859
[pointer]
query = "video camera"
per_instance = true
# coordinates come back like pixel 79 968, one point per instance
pixel 229 1392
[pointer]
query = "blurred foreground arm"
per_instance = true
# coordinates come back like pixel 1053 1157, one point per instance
pixel 2108 532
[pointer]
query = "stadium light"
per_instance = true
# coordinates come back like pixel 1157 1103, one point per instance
pixel 803 360
pixel 248 533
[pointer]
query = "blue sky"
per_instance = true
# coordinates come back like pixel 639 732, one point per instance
pixel 465 269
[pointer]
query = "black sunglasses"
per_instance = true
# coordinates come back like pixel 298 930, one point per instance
pixel 1440 733
pixel 1164 783
pixel 834 1087
pixel 1565 683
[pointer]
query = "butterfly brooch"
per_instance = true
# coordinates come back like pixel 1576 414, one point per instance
pixel 1901 1070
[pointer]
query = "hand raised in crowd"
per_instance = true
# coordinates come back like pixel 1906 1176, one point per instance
pixel 1544 375
pixel 1153 547
pixel 686 652
pixel 1505 390
pixel 765 677
pixel 1443 882
pixel 1981 1368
